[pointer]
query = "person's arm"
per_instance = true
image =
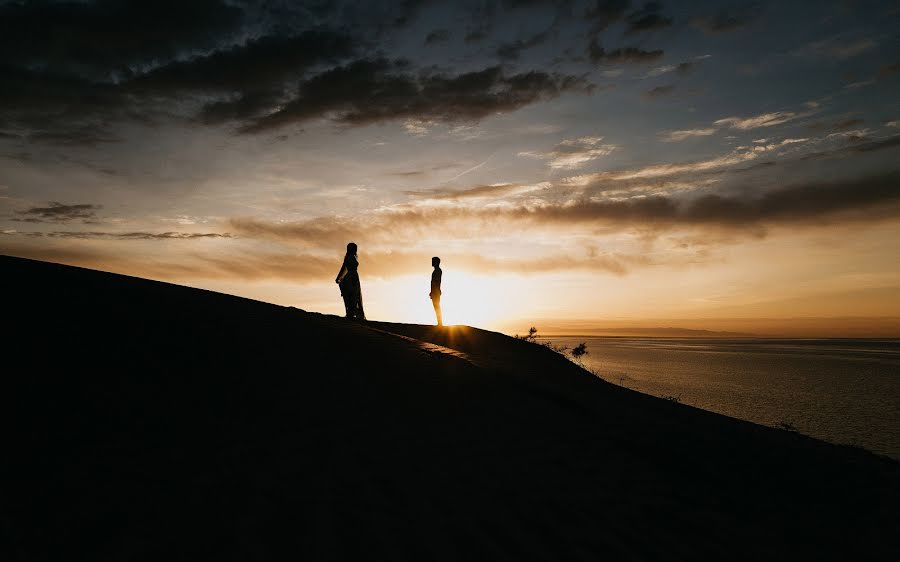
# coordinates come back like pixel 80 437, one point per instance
pixel 435 283
pixel 341 273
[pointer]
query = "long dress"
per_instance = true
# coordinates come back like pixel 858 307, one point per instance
pixel 348 280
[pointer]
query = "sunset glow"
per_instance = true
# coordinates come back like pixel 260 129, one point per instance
pixel 712 166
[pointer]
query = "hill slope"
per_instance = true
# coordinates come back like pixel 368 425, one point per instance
pixel 155 422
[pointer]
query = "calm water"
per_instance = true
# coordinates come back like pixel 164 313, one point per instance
pixel 843 391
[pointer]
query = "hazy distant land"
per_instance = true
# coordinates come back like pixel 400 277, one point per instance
pixel 788 327
pixel 666 332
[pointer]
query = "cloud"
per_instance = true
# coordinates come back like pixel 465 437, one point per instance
pixel 82 136
pixel 626 55
pixel 839 47
pixel 603 13
pixel 494 191
pixel 371 91
pixel 647 18
pixel 242 266
pixel 97 39
pixel 511 51
pixel 62 64
pixel 137 235
pixel 842 125
pixel 305 267
pixel 764 120
pixel 72 71
pixel 857 199
pixel 249 78
pixel 740 123
pixel 861 199
pixel 437 36
pixel 889 69
pixel 728 19
pixel 676 136
pixel 58 212
pixel 859 146
pixel 570 154
pixel 659 91
pixel 661 170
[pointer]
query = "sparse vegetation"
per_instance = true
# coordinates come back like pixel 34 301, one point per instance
pixel 577 352
pixel 787 426
pixel 531 336
pixel 670 398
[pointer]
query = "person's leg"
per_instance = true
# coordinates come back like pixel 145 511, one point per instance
pixel 348 305
pixel 436 301
pixel 361 313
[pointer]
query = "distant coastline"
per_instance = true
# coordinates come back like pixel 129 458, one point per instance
pixel 665 332
pixel 885 327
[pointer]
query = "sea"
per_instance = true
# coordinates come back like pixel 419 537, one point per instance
pixel 844 391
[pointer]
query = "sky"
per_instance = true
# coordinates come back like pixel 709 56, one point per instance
pixel 710 165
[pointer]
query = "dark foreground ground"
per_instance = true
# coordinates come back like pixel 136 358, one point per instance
pixel 146 421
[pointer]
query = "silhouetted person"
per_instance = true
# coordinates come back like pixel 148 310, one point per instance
pixel 348 280
pixel 435 293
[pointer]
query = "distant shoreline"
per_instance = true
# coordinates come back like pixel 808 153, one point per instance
pixel 711 336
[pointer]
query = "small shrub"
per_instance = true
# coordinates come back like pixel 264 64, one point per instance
pixel 532 335
pixel 579 351
pixel 787 426
pixel 561 349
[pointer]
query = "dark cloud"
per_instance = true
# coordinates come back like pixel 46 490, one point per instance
pixel 847 124
pixel 405 11
pixel 138 235
pixel 728 19
pixel 603 13
pixel 839 47
pixel 58 212
pixel 476 35
pixel 685 68
pixel 659 91
pixel 842 125
pixel 867 198
pixel 511 51
pixel 889 69
pixel 437 36
pixel 83 136
pixel 626 55
pixel 34 98
pixel 882 144
pixel 858 146
pixel 101 39
pixel 370 91
pixel 647 18
pixel 72 71
pixel 260 64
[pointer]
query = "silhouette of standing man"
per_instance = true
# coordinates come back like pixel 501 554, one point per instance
pixel 435 293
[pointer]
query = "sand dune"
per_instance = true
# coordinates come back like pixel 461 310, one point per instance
pixel 148 421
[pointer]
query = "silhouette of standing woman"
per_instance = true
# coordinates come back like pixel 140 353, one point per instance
pixel 348 280
pixel 435 293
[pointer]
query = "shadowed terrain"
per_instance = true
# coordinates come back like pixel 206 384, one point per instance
pixel 149 421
